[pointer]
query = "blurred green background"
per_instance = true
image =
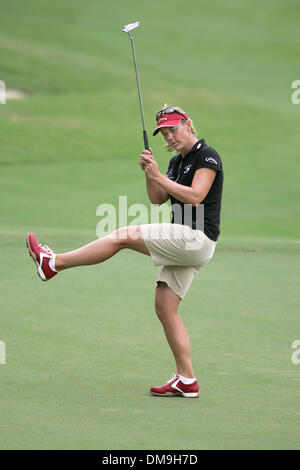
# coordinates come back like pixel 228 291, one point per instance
pixel 83 350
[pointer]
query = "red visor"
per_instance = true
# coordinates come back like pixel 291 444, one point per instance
pixel 168 120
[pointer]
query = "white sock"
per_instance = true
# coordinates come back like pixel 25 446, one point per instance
pixel 52 263
pixel 186 381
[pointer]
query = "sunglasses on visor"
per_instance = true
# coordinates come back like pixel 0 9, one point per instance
pixel 169 111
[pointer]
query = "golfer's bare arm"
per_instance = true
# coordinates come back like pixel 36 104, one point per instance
pixel 195 194
pixel 156 193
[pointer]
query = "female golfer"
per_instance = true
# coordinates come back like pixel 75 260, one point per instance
pixel 194 181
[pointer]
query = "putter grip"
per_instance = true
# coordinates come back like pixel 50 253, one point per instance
pixel 146 140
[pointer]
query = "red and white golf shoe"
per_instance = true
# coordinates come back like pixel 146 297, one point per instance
pixel 43 256
pixel 175 387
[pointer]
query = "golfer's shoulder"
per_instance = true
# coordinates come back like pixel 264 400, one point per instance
pixel 208 157
pixel 209 154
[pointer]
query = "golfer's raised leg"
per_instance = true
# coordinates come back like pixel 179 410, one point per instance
pixel 50 263
pixel 102 249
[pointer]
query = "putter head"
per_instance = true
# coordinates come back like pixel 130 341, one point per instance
pixel 130 26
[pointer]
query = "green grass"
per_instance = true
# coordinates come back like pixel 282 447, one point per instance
pixel 83 349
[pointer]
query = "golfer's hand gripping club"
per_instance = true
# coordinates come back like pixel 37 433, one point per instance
pixel 144 158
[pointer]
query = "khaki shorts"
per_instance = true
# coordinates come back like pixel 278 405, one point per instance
pixel 179 251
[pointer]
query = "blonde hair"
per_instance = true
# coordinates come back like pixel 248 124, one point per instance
pixel 168 147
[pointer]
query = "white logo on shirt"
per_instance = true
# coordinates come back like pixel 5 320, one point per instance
pixel 170 173
pixel 187 169
pixel 210 159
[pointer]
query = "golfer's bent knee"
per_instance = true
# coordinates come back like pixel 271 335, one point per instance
pixel 126 236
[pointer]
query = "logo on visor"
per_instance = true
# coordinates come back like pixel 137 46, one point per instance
pixel 162 119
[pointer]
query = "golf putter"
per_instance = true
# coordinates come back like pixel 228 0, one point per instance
pixel 127 29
